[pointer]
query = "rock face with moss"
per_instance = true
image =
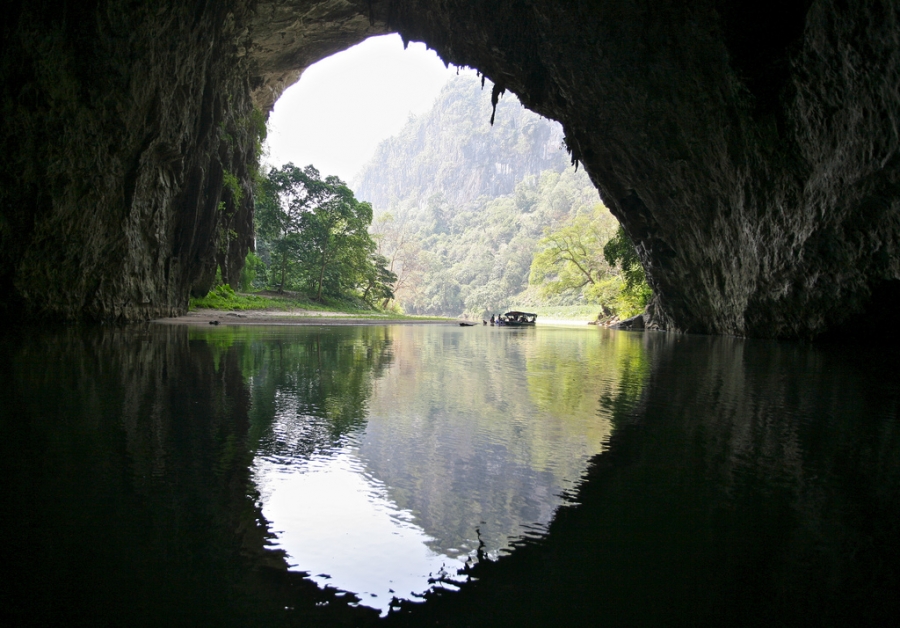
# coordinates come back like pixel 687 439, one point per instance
pixel 750 149
pixel 127 138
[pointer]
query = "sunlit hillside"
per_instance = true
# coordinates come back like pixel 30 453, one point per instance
pixel 462 207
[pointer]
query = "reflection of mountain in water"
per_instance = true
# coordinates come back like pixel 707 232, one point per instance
pixel 755 484
pixel 487 430
pixel 460 437
pixel 747 483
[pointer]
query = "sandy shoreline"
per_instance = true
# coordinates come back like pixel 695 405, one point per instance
pixel 289 317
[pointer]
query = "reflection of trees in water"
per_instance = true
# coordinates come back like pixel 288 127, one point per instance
pixel 754 483
pixel 567 379
pixel 747 483
pixel 311 388
pixel 489 427
pixel 125 452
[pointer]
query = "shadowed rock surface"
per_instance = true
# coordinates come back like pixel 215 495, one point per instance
pixel 750 149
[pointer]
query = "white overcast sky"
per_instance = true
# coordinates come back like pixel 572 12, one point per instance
pixel 335 115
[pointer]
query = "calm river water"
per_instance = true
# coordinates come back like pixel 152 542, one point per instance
pixel 422 474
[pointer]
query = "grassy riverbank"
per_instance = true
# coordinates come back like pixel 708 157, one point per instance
pixel 225 299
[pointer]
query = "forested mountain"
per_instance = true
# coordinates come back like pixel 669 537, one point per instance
pixel 463 208
pixel 469 218
pixel 453 150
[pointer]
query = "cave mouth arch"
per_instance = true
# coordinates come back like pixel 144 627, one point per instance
pixel 756 176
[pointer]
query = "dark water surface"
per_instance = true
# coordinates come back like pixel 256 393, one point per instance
pixel 461 476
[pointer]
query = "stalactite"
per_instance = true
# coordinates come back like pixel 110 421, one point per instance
pixel 496 92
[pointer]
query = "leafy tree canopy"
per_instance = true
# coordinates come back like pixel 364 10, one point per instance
pixel 589 257
pixel 316 235
pixel 620 251
pixel 571 257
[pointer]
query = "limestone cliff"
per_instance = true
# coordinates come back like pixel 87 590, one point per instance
pixel 120 125
pixel 749 148
pixel 452 150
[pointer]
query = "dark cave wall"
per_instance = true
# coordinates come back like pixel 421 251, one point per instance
pixel 748 148
pixel 120 121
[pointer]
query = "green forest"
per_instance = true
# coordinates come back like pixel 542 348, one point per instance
pixel 451 216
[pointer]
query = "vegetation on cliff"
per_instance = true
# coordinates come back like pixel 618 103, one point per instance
pixel 470 217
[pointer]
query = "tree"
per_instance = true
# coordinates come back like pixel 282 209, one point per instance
pixel 402 249
pixel 318 233
pixel 379 281
pixel 572 256
pixel 254 270
pixel 283 197
pixel 620 251
pixel 592 258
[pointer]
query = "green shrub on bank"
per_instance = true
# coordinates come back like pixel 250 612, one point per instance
pixel 225 298
pixel 254 272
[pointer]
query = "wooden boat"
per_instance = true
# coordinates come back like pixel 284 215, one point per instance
pixel 466 324
pixel 517 319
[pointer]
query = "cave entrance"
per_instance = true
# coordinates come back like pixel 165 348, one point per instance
pixel 425 146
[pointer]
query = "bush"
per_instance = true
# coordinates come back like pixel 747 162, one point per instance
pixel 224 298
pixel 254 269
